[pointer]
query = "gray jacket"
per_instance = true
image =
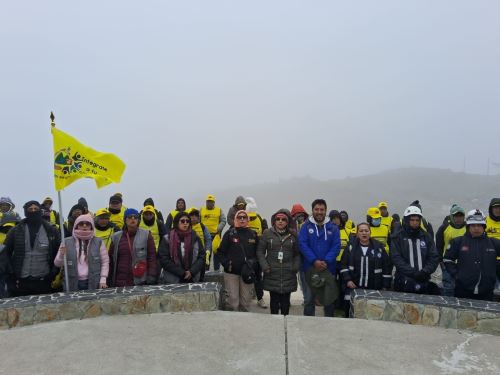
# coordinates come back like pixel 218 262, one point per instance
pixel 283 275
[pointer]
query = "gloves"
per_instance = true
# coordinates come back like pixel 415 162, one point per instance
pixel 421 276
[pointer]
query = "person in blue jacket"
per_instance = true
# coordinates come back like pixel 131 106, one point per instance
pixel 319 242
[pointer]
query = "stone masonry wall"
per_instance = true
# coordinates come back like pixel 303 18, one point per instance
pixel 22 311
pixel 437 311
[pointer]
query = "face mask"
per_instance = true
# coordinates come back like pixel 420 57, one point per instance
pixel 376 222
pixel 33 217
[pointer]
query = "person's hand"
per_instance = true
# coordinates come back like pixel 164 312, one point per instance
pixel 62 249
pixel 351 285
pixel 187 275
pixel 267 270
pixel 320 265
pixel 421 276
pixel 103 285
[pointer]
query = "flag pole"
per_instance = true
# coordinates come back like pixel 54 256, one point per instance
pixel 61 220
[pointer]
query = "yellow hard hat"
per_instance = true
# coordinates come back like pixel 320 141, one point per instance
pixel 210 197
pixel 373 212
pixel 102 211
pixel 149 208
pixel 383 204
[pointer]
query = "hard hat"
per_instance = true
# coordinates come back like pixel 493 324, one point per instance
pixel 475 217
pixel 412 210
pixel 210 197
pixel 102 211
pixel 383 204
pixel 373 212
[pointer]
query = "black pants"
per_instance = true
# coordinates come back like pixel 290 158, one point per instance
pixel 280 302
pixel 460 292
pixel 30 285
pixel 258 284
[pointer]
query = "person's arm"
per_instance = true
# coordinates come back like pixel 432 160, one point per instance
pixel 207 238
pixel 169 222
pixel 230 216
pixel 401 264
pixel 440 241
pixel 344 264
pixel 432 261
pixel 386 270
pixel 496 243
pixel 111 263
pixel 151 260
pixel 162 230
pixel 261 252
pixel 296 255
pixel 222 251
pixel 222 222
pixel 199 262
pixel 334 248
pixel 306 251
pixel 451 256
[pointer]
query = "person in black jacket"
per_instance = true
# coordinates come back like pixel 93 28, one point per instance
pixel 30 261
pixel 238 248
pixel 474 260
pixel 414 255
pixel 365 264
pixel 181 254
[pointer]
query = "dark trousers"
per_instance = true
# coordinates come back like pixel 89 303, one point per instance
pixel 258 284
pixel 460 292
pixel 83 284
pixel 280 301
pixel 30 285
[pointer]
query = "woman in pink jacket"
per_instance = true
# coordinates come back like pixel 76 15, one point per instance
pixel 88 261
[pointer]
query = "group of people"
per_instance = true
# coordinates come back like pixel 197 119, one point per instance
pixel 327 254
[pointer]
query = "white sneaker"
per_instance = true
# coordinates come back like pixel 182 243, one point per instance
pixel 261 303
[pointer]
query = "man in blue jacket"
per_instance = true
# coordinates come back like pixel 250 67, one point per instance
pixel 319 242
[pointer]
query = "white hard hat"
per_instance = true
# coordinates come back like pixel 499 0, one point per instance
pixel 475 217
pixel 412 210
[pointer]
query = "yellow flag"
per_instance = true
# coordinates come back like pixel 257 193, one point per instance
pixel 73 160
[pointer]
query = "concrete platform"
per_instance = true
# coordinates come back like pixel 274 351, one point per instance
pixel 232 343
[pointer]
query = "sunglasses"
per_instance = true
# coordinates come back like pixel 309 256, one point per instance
pixel 282 219
pixel 135 217
pixel 184 221
pixel 242 217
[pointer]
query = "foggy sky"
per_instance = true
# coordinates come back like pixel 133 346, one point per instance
pixel 199 95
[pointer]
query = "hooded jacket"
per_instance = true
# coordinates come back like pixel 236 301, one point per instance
pixel 492 221
pixel 232 211
pixel 474 262
pixel 319 242
pixel 235 245
pixel 282 277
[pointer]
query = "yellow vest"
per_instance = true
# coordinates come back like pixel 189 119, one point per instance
pixel 254 223
pixel 387 221
pixel 153 229
pixel 210 218
pixel 349 224
pixel 199 231
pixel 105 236
pixel 2 237
pixel 53 219
pixel 344 239
pixel 118 218
pixel 492 228
pixel 451 233
pixel 381 234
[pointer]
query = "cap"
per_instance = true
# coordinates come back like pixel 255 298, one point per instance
pixel 116 199
pixel 373 212
pixel 383 204
pixel 210 197
pixel 456 209
pixel 102 212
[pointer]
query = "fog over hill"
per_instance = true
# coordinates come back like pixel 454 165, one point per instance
pixel 437 190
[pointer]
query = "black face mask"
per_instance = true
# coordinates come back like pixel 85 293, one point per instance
pixel 149 222
pixel 114 210
pixel 33 217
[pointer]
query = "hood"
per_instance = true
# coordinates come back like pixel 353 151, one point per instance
pixel 251 204
pixel 494 202
pixel 288 215
pixel 8 201
pixel 297 208
pixel 76 207
pixel 239 199
pixel 149 202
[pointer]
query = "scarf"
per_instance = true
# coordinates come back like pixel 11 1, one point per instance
pixel 176 237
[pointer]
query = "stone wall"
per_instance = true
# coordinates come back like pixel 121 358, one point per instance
pixel 22 311
pixel 437 311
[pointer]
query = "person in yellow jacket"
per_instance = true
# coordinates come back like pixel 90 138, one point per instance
pixel 52 215
pixel 348 223
pixel 335 218
pixel 180 206
pixel 452 227
pixel 493 219
pixel 214 219
pixel 104 228
pixel 386 218
pixel 206 238
pixel 379 231
pixel 149 221
pixel 117 210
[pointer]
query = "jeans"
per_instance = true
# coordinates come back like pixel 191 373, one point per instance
pixel 448 283
pixel 309 300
